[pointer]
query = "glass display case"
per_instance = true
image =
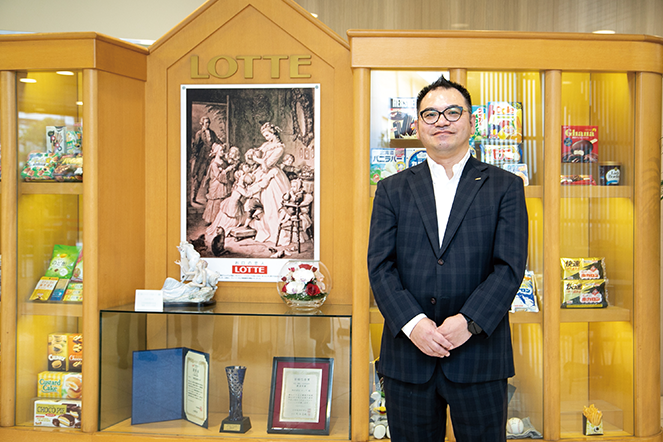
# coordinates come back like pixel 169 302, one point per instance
pixel 590 156
pixel 597 225
pixel 51 118
pixel 232 334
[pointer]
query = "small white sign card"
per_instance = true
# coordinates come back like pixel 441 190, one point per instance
pixel 149 301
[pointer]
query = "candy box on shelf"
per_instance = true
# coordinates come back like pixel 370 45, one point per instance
pixel 75 356
pixel 64 413
pixel 60 384
pixel 402 117
pixel 44 288
pixel 56 139
pixel 580 144
pixel 505 121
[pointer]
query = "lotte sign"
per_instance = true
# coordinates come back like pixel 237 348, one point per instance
pixel 249 270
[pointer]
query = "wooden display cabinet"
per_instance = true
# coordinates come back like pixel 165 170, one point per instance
pixel 76 80
pixel 130 98
pixel 565 358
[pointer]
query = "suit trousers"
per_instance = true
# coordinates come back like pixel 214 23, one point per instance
pixel 418 412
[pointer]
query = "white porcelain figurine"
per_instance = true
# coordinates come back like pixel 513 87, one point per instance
pixel 197 284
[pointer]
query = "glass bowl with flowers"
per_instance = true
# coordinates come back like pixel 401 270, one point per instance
pixel 304 284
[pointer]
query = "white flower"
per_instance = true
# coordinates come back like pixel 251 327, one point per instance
pixel 294 287
pixel 303 275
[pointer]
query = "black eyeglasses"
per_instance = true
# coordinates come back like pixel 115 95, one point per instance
pixel 451 114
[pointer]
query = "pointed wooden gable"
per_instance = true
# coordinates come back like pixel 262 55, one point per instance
pixel 240 43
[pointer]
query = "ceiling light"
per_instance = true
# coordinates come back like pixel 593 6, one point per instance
pixel 79 103
pixel 604 31
pixel 314 14
pixel 64 73
pixel 27 80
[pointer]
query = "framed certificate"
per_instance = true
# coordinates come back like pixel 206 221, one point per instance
pixel 300 401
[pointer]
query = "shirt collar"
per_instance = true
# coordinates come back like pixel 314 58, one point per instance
pixel 439 173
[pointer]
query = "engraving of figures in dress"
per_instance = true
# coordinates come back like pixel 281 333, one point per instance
pixel 256 198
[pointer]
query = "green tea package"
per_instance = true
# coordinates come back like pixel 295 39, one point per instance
pixel 63 261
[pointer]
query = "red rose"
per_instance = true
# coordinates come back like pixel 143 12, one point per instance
pixel 305 266
pixel 283 288
pixel 312 290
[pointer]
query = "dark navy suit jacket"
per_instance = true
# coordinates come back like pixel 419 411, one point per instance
pixel 477 271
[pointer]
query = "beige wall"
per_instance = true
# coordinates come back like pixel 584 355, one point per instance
pixel 130 19
pixel 150 19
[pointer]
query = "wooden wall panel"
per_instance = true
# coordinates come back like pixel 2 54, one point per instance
pixel 506 15
pixel 255 28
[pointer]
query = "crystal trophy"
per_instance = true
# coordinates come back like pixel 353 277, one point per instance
pixel 236 422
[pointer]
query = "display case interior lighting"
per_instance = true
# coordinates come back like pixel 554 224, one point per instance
pixel 79 103
pixel 27 80
pixel 604 31
pixel 65 73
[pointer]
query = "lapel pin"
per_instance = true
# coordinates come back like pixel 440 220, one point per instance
pixel 477 179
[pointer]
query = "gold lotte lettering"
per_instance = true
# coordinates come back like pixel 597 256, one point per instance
pixel 225 66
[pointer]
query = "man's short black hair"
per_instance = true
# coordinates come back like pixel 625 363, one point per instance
pixel 443 83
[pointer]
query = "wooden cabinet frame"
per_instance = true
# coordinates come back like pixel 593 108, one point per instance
pixel 550 54
pixel 113 77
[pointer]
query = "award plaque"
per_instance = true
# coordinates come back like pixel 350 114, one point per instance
pixel 300 401
pixel 236 422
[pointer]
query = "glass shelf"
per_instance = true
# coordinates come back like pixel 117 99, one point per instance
pixel 243 309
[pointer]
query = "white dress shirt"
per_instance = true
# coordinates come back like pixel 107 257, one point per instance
pixel 444 189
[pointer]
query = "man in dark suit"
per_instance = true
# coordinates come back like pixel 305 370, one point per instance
pixel 446 256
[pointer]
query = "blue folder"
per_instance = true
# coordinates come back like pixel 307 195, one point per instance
pixel 158 385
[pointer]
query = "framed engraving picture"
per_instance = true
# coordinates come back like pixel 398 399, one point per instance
pixel 250 176
pixel 300 400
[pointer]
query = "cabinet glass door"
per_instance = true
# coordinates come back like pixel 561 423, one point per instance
pixel 596 230
pixel 49 229
pixel 393 141
pixel 512 139
pixel 508 108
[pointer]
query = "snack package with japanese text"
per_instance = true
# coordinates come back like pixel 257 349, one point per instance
pixel 63 261
pixel 40 166
pixel 505 121
pixel 525 300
